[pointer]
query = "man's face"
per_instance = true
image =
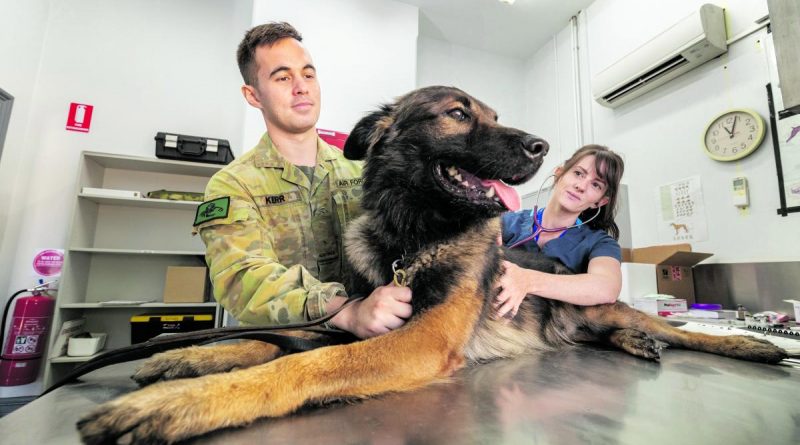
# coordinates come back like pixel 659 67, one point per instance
pixel 287 91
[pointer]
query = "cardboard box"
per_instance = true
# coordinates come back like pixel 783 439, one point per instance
pixel 673 267
pixel 185 285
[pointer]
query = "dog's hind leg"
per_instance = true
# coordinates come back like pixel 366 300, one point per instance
pixel 196 361
pixel 621 316
pixel 428 348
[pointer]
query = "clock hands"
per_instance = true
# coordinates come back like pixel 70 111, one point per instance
pixel 733 126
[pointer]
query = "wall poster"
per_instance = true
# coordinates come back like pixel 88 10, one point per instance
pixel 681 212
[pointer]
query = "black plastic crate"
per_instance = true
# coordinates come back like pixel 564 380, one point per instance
pixel 146 326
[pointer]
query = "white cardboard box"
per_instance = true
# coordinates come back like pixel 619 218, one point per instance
pixel 638 280
pixel 660 306
pixel 83 347
pixel 796 304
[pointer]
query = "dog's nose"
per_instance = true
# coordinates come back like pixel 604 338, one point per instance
pixel 535 146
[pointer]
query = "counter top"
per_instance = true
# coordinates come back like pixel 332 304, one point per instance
pixel 577 395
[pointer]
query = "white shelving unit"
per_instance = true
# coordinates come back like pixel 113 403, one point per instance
pixel 119 248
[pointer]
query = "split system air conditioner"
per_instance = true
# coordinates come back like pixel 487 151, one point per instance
pixel 683 47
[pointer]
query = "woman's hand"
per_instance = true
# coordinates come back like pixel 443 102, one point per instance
pixel 513 289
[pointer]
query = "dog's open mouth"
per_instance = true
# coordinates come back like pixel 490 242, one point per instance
pixel 462 183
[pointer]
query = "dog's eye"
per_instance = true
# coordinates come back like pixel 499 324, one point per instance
pixel 458 114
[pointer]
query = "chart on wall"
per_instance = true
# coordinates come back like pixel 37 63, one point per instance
pixel 681 212
pixel 789 140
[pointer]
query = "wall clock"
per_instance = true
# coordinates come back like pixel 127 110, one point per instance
pixel 733 135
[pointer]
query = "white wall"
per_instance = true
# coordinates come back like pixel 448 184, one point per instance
pixel 550 104
pixel 660 133
pixel 494 79
pixel 364 52
pixel 21 40
pixel 145 65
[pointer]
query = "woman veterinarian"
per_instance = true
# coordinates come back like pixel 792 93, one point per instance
pixel 577 228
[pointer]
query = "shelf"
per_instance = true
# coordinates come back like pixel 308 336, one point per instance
pixel 143 305
pixel 68 359
pixel 141 202
pixel 153 165
pixel 136 252
pixel 122 246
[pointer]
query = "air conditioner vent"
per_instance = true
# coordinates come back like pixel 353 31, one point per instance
pixel 647 77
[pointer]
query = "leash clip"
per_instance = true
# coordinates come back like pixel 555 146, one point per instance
pixel 400 275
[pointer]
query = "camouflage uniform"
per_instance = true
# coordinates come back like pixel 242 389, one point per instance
pixel 276 256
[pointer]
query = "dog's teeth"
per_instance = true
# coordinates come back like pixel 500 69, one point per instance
pixel 452 171
pixel 458 178
pixel 490 192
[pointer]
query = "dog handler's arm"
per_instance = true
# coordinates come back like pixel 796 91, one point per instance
pixel 600 284
pixel 385 309
pixel 247 278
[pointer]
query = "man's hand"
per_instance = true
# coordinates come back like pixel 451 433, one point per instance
pixel 385 309
pixel 513 291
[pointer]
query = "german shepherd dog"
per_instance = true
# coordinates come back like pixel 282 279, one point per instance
pixel 437 165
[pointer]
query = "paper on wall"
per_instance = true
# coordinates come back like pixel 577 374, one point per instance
pixel 681 212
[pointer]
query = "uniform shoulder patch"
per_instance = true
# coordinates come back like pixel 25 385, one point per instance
pixel 211 210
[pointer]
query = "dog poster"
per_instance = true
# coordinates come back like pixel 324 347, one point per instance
pixel 681 212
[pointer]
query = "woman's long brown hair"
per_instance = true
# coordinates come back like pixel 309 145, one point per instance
pixel 609 166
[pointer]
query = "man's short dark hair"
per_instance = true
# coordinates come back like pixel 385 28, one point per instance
pixel 266 34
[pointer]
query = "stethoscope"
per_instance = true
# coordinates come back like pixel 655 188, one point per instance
pixel 537 227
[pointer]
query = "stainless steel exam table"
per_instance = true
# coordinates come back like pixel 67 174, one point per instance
pixel 578 395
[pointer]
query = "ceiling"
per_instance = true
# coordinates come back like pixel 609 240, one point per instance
pixel 516 30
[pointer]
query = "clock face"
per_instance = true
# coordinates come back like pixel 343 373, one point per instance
pixel 733 135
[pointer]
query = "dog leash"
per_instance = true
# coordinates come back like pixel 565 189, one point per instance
pixel 266 334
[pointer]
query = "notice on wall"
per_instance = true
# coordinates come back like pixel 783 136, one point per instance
pixel 47 264
pixel 79 117
pixel 681 212
pixel 789 140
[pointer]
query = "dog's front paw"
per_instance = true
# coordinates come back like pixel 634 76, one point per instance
pixel 110 421
pixel 166 412
pixel 176 364
pixel 636 343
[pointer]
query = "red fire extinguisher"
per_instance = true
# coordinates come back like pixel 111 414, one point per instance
pixel 23 348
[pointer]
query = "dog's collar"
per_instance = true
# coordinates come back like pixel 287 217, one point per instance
pixel 401 277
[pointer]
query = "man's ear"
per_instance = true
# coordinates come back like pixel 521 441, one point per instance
pixel 368 132
pixel 250 96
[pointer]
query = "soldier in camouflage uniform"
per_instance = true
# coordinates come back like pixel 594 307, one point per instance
pixel 273 219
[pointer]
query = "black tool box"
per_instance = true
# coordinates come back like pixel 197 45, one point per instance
pixel 193 148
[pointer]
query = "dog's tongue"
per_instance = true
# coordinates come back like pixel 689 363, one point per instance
pixel 508 196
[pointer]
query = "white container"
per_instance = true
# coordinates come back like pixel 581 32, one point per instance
pixel 796 304
pixel 637 280
pixel 82 347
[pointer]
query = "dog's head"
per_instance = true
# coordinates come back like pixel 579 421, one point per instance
pixel 440 152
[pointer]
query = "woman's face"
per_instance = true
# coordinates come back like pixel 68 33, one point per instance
pixel 580 187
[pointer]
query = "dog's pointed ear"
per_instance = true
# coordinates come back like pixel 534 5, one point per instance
pixel 368 132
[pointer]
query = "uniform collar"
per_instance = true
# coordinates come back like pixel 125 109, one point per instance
pixel 268 156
